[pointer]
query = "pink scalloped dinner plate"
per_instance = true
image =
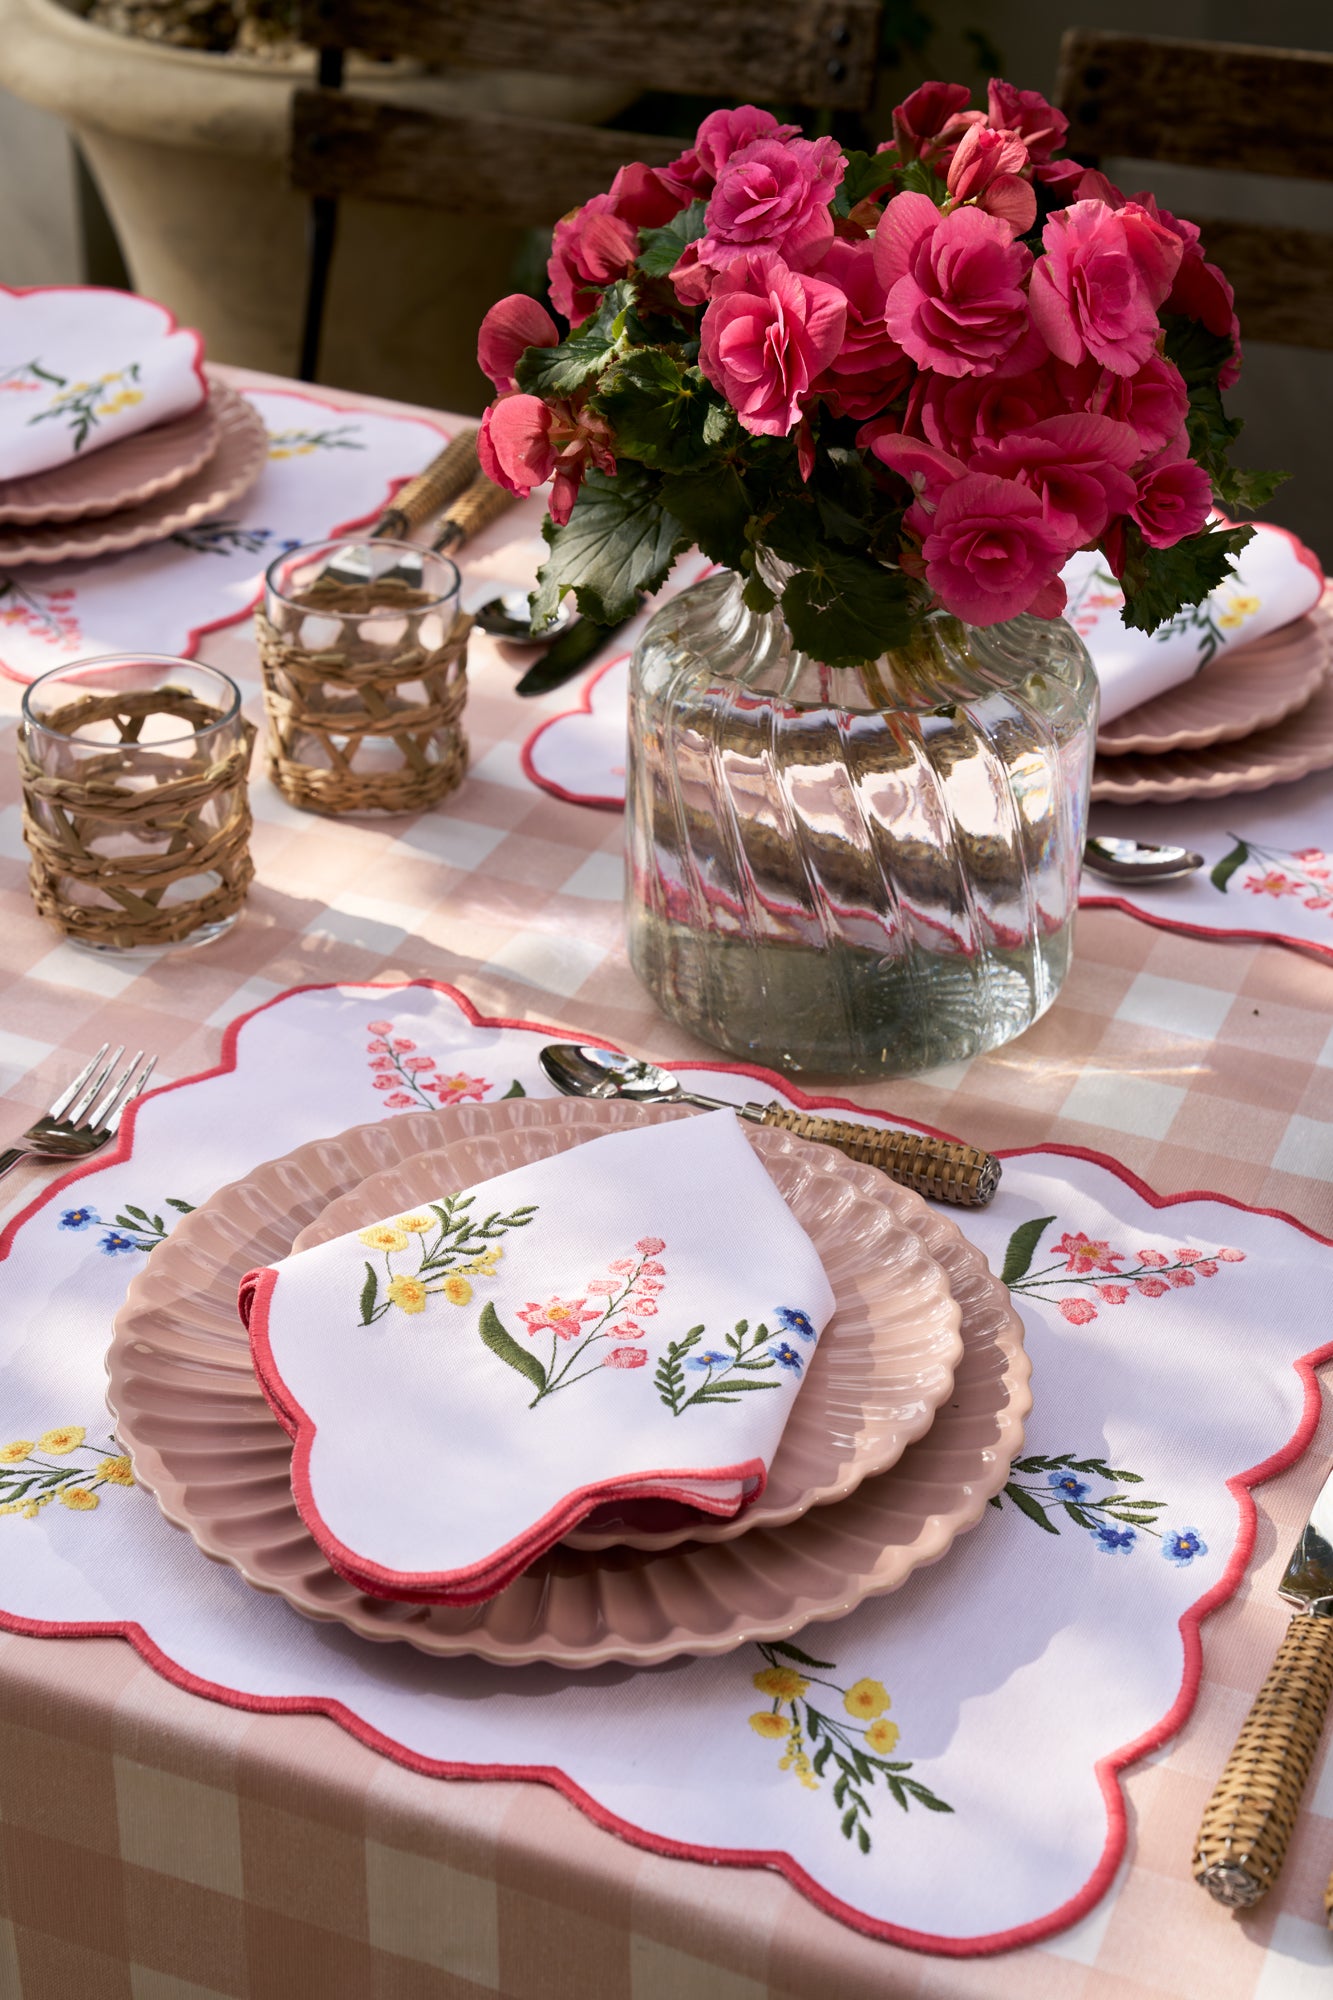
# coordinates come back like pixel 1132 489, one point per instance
pixel 231 470
pixel 123 474
pixel 1276 756
pixel 882 1368
pixel 1244 690
pixel 203 1440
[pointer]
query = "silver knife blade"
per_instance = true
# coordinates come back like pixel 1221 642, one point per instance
pixel 1309 1575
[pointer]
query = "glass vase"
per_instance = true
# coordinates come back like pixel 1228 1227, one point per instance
pixel 855 871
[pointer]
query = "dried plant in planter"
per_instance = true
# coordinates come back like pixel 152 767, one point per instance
pixel 221 27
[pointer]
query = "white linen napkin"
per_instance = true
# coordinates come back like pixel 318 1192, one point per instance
pixel 465 1381
pixel 81 367
pixel 1276 579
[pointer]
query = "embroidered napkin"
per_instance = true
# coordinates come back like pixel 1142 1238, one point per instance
pixel 80 367
pixel 628 1320
pixel 1276 579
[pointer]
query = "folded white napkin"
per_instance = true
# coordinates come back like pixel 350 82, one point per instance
pixel 1276 579
pixel 629 1320
pixel 81 367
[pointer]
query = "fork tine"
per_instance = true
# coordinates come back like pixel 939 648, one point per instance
pixel 78 1111
pixel 125 1095
pixel 114 1094
pixel 68 1095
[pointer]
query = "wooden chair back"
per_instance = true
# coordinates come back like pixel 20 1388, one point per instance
pixel 1224 106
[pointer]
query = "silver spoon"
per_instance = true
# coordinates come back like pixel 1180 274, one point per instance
pixel 508 617
pixel 941 1168
pixel 1138 860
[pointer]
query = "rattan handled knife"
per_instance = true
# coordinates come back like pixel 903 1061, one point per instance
pixel 1243 1839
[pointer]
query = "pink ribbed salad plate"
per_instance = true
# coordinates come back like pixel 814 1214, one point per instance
pixel 124 474
pixel 1242 690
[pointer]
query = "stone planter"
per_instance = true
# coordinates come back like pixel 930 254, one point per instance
pixel 189 150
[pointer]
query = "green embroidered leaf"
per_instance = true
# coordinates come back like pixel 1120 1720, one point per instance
pixel 1017 1263
pixel 662 247
pixel 1077 1516
pixel 1227 866
pixel 368 1291
pixel 515 1090
pixel 821 1757
pixel 790 1652
pixel 130 1209
pixel 1032 1508
pixel 507 1348
pixel 925 1797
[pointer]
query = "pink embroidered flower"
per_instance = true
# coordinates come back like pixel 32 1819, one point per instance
pixel 591 247
pixel 457 1089
pixel 955 302
pixel 1098 288
pixel 1188 1256
pixel 624 1357
pixel 988 169
pixel 1152 1288
pixel 1231 1256
pixel 773 195
pixel 602 1288
pixel 650 1285
pixel 1179 1278
pixel 1272 883
pixel 1078 1311
pixel 1174 498
pixel 722 134
pixel 1026 115
pixel 869 369
pixel 404 1048
pixel 1079 467
pixel 379 1027
pixel 765 338
pixel 383 1062
pixel 651 1246
pixel 565 1317
pixel 650 1268
pixel 509 329
pixel 383 1082
pixel 1154 1259
pixel 400 1101
pixel 928 124
pixel 1207 1269
pixel 1088 1253
pixel 1115 1295
pixel 991 554
pixel 621 1264
pixel 379 1048
pixel 645 1308
pixel 627 1330
pixel 419 1063
pixel 524 441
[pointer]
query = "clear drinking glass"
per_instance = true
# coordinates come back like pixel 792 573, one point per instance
pixel 854 871
pixel 135 801
pixel 365 676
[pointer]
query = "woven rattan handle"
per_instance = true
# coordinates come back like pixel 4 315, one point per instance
pixel 1245 1830
pixel 471 512
pixel 940 1168
pixel 443 480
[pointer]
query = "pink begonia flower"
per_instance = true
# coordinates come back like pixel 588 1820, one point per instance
pixel 1201 291
pixel 1098 287
pixel 1078 1311
pixel 523 442
pixel 987 169
pixel 928 124
pixel 959 413
pixel 766 337
pixel 1174 499
pixel 955 302
pixel 1154 401
pixel 1079 465
pixel 1151 1288
pixel 928 471
pixel 646 198
pixel 1028 116
pixel 869 369
pixel 625 1357
pixel 773 195
pixel 508 330
pixel 991 555
pixel 721 134
pixel 565 1317
pixel 591 246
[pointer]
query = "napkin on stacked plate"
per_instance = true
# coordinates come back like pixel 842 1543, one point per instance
pixel 627 1320
pixel 80 367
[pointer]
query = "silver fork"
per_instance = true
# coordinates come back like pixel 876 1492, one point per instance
pixel 87 1113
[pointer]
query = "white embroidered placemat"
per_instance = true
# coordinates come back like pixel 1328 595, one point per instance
pixel 329 470
pixel 940 1766
pixel 81 366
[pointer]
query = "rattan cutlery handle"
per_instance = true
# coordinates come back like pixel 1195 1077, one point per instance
pixel 940 1168
pixel 474 510
pixel 1249 1819
pixel 442 481
pixel 1328 1903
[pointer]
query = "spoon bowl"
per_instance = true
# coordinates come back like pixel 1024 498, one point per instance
pixel 580 1069
pixel 1120 860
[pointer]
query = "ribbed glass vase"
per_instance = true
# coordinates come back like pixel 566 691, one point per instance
pixel 854 871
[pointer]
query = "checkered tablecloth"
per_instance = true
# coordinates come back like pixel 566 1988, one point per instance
pixel 160 1847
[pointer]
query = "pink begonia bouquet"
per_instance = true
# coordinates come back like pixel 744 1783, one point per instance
pixel 920 379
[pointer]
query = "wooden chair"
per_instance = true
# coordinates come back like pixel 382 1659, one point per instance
pixel 1217 104
pixel 525 171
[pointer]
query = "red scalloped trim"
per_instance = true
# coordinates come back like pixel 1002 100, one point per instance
pixel 1162 923
pixel 583 706
pixel 1107 1768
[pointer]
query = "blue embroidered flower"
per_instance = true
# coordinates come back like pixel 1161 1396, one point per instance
pixel 1181 1545
pixel 114 1241
pixel 1115 1541
pixel 792 1320
pixel 79 1218
pixel 788 1357
pixel 1066 1485
pixel 710 1358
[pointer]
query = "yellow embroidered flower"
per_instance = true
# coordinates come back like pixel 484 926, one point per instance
pixel 14 1454
pixel 30 1511
pixel 278 451
pixel 457 1290
pixel 417 1223
pixel 78 1498
pixel 116 1472
pixel 131 396
pixel 383 1236
pixel 106 409
pixel 409 1293
pixel 66 1439
pixel 784 1682
pixel 882 1735
pixel 866 1698
pixel 768 1724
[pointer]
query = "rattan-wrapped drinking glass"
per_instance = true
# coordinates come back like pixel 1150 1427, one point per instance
pixel 364 652
pixel 135 807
